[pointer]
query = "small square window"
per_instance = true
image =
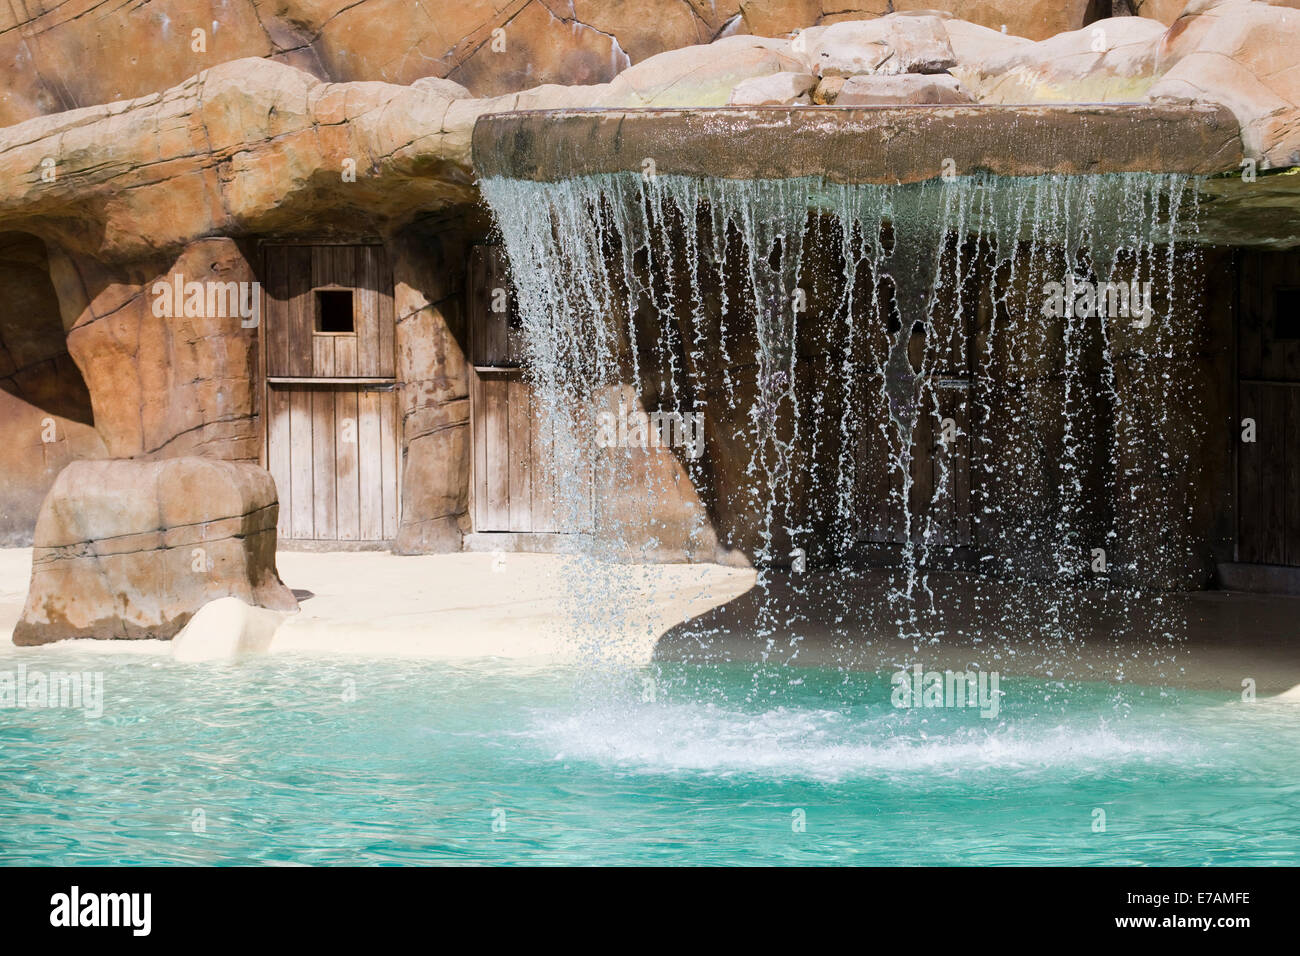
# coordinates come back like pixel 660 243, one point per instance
pixel 334 311
pixel 1286 313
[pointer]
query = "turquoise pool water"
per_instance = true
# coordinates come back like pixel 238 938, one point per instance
pixel 292 760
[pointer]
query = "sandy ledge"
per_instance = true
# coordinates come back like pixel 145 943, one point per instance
pixel 547 608
pixel 458 606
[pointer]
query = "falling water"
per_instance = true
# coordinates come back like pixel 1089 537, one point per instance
pixel 826 332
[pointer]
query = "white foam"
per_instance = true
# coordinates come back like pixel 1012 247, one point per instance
pixel 826 745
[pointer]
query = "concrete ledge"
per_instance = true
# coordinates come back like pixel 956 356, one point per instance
pixel 878 144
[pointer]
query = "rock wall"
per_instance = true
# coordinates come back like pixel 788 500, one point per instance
pixel 45 407
pixel 316 136
pixel 429 277
pixel 165 381
pixel 67 55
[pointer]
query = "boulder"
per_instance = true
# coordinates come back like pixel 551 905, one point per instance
pixel 170 385
pixel 972 44
pixel 1244 56
pixel 438 86
pixel 697 75
pixel 901 90
pixel 899 43
pixel 779 89
pixel 1112 60
pixel 226 629
pixel 132 549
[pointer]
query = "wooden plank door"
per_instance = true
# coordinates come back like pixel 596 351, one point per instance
pixel 518 484
pixel 1268 396
pixel 329 312
pixel 332 451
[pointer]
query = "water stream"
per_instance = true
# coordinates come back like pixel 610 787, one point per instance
pixel 1034 329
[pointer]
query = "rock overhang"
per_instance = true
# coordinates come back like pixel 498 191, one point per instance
pixel 893 144
pixel 860 144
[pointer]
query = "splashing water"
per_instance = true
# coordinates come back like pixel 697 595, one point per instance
pixel 881 366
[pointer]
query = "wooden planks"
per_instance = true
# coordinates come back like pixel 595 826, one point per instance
pixel 277 455
pixel 515 482
pixel 494 340
pixel 1268 393
pixel 519 411
pixel 301 490
pixel 1262 474
pixel 324 458
pixel 333 453
pixel 348 471
pixel 333 448
pixel 295 344
pixel 940 498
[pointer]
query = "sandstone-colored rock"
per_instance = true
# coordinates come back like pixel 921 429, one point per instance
pixel 779 89
pixel 1035 19
pixel 899 43
pixel 1243 55
pixel 973 44
pixel 699 75
pixel 72 54
pixel 46 419
pixel 903 89
pixel 37 447
pixel 132 549
pixel 438 86
pixel 1166 11
pixel 165 386
pixel 248 146
pixel 429 277
pixel 1112 60
pixel 828 90
pixel 225 630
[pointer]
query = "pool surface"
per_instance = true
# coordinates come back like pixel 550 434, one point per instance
pixel 318 760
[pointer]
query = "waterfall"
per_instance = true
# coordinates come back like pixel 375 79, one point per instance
pixel 1035 325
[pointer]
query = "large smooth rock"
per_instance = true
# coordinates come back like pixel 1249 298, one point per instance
pixel 1112 60
pixel 905 89
pixel 167 386
pixel 132 549
pixel 899 43
pixel 698 75
pixel 1246 56
pixel 779 89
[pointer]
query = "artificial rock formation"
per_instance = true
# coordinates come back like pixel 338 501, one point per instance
pixel 257 147
pixel 69 55
pixel 132 549
pixel 295 123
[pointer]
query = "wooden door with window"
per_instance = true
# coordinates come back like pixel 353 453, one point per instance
pixel 1268 396
pixel 332 440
